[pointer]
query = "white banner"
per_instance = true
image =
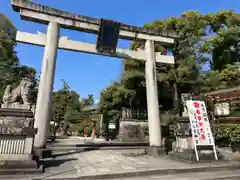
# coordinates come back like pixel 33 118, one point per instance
pixel 201 129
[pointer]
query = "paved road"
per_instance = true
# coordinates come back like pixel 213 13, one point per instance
pixel 222 175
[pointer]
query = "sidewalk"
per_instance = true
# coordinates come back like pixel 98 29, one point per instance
pixel 106 163
pixel 102 164
pixel 125 162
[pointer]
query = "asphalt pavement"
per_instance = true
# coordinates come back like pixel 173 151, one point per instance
pixel 214 175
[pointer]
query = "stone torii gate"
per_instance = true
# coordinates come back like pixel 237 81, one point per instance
pixel 56 19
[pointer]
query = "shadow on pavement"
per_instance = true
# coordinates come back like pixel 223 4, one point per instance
pixel 73 152
pixel 56 162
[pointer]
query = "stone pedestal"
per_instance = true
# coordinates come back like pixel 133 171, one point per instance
pixel 184 136
pixel 16 141
pixel 184 148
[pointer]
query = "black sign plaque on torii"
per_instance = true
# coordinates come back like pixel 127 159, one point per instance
pixel 108 36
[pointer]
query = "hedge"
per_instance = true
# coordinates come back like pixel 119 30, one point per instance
pixel 224 134
pixel 227 134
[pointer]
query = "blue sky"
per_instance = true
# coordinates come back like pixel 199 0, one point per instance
pixel 89 74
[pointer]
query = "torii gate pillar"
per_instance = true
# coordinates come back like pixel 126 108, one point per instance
pixel 44 98
pixel 154 127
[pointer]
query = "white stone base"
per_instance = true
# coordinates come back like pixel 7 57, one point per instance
pixel 16 145
pixel 184 143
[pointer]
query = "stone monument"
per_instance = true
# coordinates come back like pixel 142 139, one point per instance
pixel 184 136
pixel 17 132
pixel 130 128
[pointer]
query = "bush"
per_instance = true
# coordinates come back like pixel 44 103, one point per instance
pixel 227 134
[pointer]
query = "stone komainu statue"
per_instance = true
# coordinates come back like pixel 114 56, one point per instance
pixel 19 95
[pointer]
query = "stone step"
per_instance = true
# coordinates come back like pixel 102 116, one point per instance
pixel 21 165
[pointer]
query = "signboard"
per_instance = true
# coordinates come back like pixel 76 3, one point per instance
pixel 221 109
pixel 112 126
pixel 17 131
pixel 11 130
pixel 201 129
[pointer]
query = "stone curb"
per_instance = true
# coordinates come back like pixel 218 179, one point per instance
pixel 101 144
pixel 226 178
pixel 148 172
pixel 182 159
pixel 23 171
pixel 55 149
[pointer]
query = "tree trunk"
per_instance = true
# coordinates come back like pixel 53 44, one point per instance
pixel 176 104
pixel 106 132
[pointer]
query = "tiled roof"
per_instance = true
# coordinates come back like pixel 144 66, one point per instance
pixel 91 107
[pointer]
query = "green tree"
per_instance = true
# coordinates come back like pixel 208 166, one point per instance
pixel 184 76
pixel 8 61
pixel 66 105
pixel 228 77
pixel 112 99
pixel 224 26
pixel 10 69
pixel 210 81
pixel 73 111
pixel 203 38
